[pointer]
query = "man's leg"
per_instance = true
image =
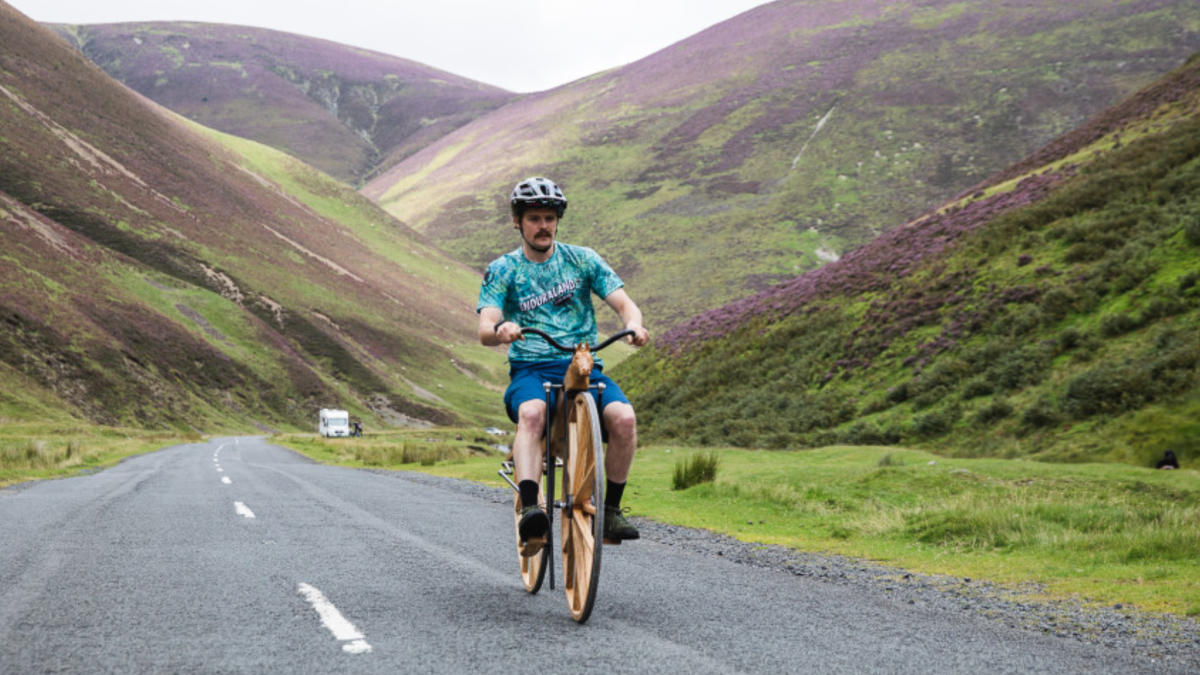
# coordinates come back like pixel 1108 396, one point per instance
pixel 527 464
pixel 527 444
pixel 621 424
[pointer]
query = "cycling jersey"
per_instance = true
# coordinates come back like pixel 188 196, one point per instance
pixel 554 296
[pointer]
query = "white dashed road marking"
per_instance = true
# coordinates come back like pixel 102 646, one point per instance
pixel 243 510
pixel 332 619
pixel 225 480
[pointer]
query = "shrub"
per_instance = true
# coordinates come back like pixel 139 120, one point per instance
pixel 1084 252
pixel 977 386
pixel 1188 282
pixel 864 433
pixel 1069 339
pixel 1041 414
pixel 898 393
pixel 889 460
pixel 994 412
pixel 1160 308
pixel 937 422
pixel 1057 303
pixel 930 397
pixel 1117 324
pixel 1107 388
pixel 1192 232
pixel 1021 367
pixel 699 468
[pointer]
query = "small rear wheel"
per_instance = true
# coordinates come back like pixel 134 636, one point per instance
pixel 583 511
pixel 532 554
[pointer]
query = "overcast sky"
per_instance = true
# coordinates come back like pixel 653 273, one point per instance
pixel 522 46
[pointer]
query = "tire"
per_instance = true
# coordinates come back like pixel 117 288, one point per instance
pixel 583 522
pixel 533 567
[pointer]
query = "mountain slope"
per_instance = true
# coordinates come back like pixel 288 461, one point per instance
pixel 777 140
pixel 344 110
pixel 155 273
pixel 1055 313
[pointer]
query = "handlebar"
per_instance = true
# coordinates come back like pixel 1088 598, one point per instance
pixel 553 343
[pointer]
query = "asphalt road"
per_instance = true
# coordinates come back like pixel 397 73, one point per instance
pixel 238 556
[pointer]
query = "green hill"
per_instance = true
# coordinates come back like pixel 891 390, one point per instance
pixel 1054 313
pixel 155 273
pixel 344 110
pixel 779 139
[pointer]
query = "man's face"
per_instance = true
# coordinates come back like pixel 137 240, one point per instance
pixel 538 227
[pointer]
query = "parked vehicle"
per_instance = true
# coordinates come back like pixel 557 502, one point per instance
pixel 334 423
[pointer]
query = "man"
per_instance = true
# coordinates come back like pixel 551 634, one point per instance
pixel 547 285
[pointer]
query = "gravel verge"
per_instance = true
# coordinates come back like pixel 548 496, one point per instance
pixel 1170 641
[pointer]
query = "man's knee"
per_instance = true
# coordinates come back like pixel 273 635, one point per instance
pixel 620 419
pixel 531 416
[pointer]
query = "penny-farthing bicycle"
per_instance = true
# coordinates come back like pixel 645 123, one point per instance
pixel 574 450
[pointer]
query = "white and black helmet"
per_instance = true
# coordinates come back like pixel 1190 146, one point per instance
pixel 537 192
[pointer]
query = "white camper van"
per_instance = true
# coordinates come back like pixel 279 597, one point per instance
pixel 334 422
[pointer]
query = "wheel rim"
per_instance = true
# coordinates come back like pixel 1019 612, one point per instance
pixel 583 523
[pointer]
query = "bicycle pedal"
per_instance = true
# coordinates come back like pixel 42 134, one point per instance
pixel 531 546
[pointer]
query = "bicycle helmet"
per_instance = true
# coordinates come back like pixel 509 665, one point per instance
pixel 537 192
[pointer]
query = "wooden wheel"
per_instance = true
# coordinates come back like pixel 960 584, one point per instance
pixel 531 556
pixel 583 521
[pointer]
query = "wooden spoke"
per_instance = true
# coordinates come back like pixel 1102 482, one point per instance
pixel 585 542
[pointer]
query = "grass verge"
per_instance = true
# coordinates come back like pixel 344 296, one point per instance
pixel 1106 533
pixel 35 451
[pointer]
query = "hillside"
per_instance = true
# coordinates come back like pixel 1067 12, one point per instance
pixel 344 110
pixel 156 273
pixel 779 139
pixel 1054 313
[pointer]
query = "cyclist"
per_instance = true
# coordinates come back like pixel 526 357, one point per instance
pixel 546 284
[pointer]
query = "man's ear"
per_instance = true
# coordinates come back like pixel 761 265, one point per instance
pixel 516 222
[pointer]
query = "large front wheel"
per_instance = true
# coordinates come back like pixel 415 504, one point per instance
pixel 583 506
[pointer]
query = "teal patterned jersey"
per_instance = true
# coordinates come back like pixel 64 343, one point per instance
pixel 554 296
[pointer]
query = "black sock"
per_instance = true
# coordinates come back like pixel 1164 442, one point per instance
pixel 612 494
pixel 529 492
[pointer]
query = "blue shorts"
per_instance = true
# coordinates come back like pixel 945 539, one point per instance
pixel 528 376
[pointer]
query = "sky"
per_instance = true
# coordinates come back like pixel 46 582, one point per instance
pixel 526 46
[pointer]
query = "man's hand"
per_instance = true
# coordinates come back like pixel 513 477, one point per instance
pixel 640 336
pixel 508 332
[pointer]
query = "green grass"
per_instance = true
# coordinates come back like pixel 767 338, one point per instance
pixel 1105 533
pixel 41 450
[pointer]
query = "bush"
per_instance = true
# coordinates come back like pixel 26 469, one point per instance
pixel 936 423
pixel 1021 367
pixel 863 433
pixel 1069 339
pixel 1187 284
pixel 699 468
pixel 1117 324
pixel 1041 414
pixel 1192 232
pixel 1057 303
pixel 1107 389
pixel 898 393
pixel 977 386
pixel 994 412
pixel 930 397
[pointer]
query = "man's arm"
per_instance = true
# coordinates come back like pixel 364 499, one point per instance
pixel 630 315
pixel 489 335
